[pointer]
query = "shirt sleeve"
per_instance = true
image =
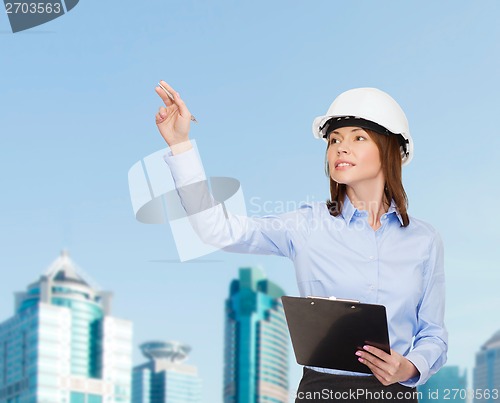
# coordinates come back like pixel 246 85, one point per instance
pixel 215 225
pixel 430 345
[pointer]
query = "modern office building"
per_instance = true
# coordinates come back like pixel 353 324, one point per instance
pixel 487 371
pixel 62 345
pixel 165 378
pixel 449 384
pixel 256 341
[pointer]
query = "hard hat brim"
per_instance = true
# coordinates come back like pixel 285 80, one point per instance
pixel 320 129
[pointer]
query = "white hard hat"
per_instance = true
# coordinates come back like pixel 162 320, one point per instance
pixel 368 108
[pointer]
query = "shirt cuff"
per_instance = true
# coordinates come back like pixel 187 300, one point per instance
pixel 422 368
pixel 186 167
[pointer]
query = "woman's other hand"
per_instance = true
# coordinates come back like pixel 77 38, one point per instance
pixel 173 120
pixel 387 368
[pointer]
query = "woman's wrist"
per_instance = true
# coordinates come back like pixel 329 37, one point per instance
pixel 411 371
pixel 181 147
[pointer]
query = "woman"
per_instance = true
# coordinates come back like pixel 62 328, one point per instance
pixel 360 245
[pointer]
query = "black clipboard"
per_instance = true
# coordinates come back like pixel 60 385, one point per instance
pixel 327 332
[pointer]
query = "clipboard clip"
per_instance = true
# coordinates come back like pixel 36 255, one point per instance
pixel 332 298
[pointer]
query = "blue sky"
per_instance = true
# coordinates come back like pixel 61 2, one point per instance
pixel 77 111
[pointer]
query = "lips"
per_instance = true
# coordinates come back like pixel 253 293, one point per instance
pixel 343 164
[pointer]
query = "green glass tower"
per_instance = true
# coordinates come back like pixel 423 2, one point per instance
pixel 448 384
pixel 256 341
pixel 487 371
pixel 62 345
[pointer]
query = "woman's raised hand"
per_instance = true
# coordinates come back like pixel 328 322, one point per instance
pixel 173 119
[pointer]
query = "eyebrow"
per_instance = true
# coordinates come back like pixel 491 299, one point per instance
pixel 353 130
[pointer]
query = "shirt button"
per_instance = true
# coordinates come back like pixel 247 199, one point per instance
pixel 372 287
pixel 371 257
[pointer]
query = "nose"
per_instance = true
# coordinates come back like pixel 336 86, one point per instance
pixel 343 148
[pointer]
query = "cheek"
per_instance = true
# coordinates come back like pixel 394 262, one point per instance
pixel 329 155
pixel 330 158
pixel 372 157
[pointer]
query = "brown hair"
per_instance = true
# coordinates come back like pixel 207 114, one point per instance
pixel 390 157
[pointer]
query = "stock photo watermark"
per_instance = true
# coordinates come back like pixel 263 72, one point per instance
pixel 358 394
pixel 260 207
pixel 24 15
pixel 438 394
pixel 209 214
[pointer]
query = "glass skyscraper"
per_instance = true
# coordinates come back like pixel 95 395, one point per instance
pixel 165 378
pixel 449 384
pixel 62 345
pixel 487 371
pixel 256 341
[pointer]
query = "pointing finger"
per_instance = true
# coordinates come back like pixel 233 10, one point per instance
pixel 167 87
pixel 163 95
pixel 168 90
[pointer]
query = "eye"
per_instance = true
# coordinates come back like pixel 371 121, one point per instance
pixel 334 140
pixel 360 138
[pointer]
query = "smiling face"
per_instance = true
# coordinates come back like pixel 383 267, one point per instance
pixel 354 158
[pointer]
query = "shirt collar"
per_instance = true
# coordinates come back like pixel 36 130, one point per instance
pixel 348 211
pixel 393 210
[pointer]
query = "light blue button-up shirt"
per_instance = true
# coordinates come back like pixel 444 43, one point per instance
pixel 398 267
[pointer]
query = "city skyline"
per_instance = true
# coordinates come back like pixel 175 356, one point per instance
pixel 62 344
pixel 62 269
